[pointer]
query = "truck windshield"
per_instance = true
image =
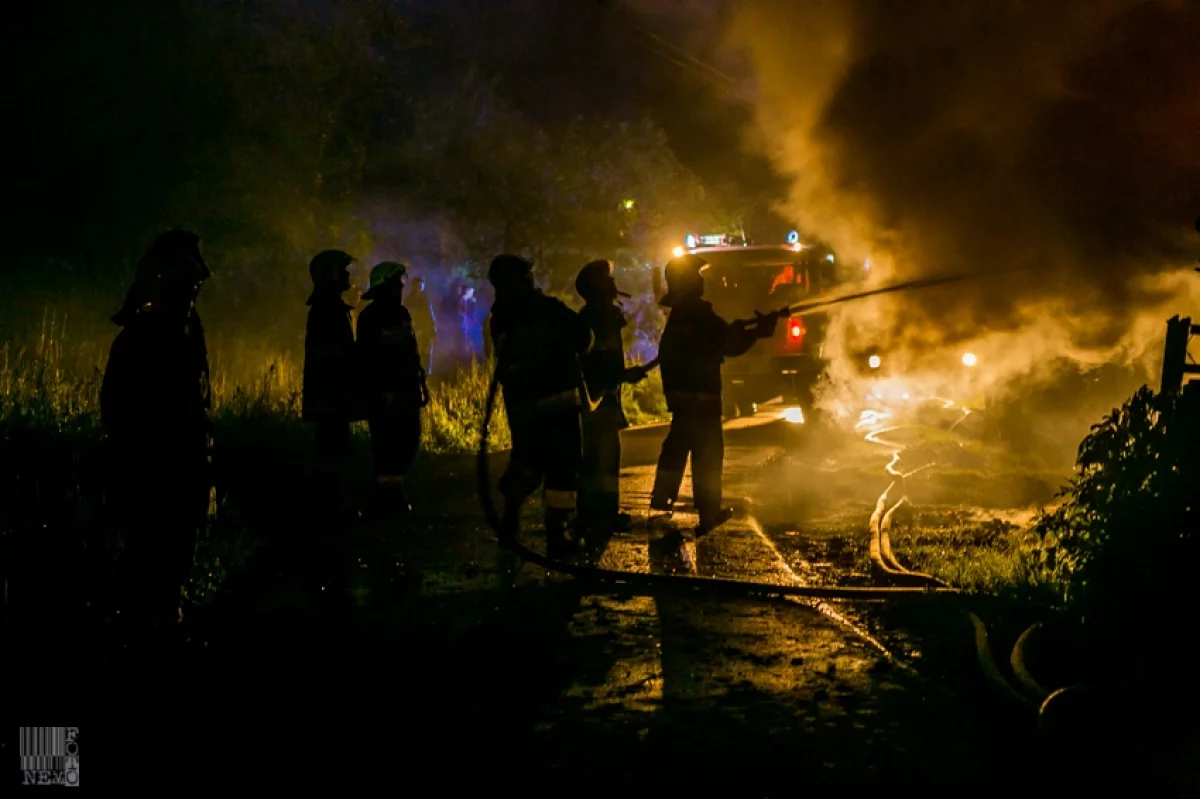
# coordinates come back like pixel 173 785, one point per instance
pixel 741 282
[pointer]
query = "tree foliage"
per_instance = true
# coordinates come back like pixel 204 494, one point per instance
pixel 597 189
pixel 1126 535
pixel 262 125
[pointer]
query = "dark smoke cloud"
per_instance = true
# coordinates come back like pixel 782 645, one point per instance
pixel 1061 138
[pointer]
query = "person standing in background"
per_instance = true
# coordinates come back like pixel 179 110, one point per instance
pixel 420 307
pixel 451 348
pixel 465 317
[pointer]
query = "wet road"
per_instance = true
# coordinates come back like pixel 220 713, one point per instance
pixel 462 670
pixel 746 680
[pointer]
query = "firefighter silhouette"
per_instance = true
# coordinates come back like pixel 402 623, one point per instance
pixel 605 372
pixel 695 342
pixel 393 380
pixel 154 404
pixel 329 398
pixel 538 342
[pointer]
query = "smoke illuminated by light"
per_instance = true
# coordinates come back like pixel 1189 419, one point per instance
pixel 1049 108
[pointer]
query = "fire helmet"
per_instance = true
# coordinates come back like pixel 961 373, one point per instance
pixel 592 279
pixel 382 273
pixel 505 270
pixel 173 261
pixel 684 276
pixel 327 267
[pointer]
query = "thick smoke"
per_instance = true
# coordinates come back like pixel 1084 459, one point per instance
pixel 1058 139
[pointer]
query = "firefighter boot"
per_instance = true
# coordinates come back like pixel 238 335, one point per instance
pixel 557 542
pixel 509 522
pixel 390 496
pixel 710 520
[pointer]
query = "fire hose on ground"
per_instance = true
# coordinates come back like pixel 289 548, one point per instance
pixel 1027 694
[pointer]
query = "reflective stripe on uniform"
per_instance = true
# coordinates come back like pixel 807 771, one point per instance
pixel 567 398
pixel 560 500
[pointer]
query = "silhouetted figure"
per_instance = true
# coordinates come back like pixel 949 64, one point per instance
pixel 420 306
pixel 538 342
pixel 489 346
pixel 605 372
pixel 154 405
pixel 394 382
pixel 695 342
pixel 329 398
pixel 464 317
pixel 452 344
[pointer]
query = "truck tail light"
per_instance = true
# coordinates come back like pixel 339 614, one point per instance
pixel 795 329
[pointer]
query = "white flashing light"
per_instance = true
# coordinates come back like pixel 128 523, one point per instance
pixel 874 361
pixel 829 258
pixel 678 251
pixel 867 265
pixel 794 415
pixel 969 359
pixel 714 240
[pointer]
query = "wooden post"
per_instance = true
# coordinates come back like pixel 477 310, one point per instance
pixel 1175 364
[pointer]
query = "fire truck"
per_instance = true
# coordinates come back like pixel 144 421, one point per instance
pixel 743 278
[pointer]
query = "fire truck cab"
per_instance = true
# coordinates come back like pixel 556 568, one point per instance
pixel 743 278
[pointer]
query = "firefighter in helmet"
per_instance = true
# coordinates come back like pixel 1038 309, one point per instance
pixel 154 404
pixel 605 372
pixel 328 395
pixel 695 342
pixel 538 342
pixel 394 382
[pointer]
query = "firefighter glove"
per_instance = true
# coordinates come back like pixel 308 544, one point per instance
pixel 634 374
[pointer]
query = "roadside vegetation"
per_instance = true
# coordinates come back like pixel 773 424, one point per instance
pixel 1115 548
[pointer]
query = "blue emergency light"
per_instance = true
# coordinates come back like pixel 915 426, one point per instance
pixel 690 241
pixel 793 237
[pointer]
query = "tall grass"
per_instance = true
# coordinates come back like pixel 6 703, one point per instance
pixel 51 442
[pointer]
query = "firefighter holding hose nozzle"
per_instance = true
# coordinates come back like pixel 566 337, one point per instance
pixel 695 342
pixel 538 343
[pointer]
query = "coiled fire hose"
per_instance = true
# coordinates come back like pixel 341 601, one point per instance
pixel 650 582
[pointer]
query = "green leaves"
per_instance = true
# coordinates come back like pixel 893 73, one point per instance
pixel 1126 530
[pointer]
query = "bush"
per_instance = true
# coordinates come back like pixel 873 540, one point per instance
pixel 454 416
pixel 1124 540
